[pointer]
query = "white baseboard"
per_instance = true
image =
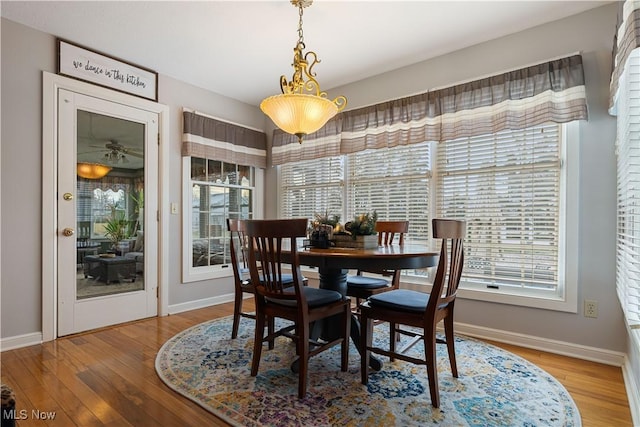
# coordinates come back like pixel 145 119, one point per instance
pixel 593 354
pixel 633 392
pixel 11 343
pixel 201 303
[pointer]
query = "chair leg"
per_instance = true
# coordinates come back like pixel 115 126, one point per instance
pixel 257 343
pixel 449 336
pixel 303 359
pixel 393 337
pixel 344 347
pixel 366 331
pixel 271 327
pixel 237 309
pixel 432 370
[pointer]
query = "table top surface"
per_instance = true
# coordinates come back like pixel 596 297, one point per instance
pixel 390 251
pixel 385 257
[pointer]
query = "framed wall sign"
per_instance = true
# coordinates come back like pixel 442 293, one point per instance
pixel 94 67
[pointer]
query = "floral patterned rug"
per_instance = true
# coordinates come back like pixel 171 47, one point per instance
pixel 494 388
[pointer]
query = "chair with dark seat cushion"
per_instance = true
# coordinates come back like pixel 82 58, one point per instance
pixel 297 303
pixel 242 281
pixel 421 310
pixel 362 286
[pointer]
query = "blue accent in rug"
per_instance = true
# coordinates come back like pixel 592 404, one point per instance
pixel 494 388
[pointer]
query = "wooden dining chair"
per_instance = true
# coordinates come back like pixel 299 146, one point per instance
pixel 242 281
pixel 272 249
pixel 361 286
pixel 418 309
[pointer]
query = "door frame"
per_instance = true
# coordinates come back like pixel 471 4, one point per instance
pixel 51 83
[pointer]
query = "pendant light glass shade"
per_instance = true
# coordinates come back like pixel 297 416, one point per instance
pixel 92 170
pixel 299 114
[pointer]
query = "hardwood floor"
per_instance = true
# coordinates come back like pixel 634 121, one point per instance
pixel 107 378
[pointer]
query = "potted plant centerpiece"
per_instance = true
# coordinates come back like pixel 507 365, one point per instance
pixel 359 232
pixel 322 228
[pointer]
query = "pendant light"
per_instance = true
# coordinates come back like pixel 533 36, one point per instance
pixel 302 108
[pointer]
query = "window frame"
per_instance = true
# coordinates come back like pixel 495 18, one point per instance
pixel 565 297
pixel 626 108
pixel 200 273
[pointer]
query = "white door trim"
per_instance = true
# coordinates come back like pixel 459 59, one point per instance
pixel 50 85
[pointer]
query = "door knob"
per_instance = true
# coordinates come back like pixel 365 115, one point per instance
pixel 68 231
pixel 67 196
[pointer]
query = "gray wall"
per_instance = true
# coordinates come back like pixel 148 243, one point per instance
pixel 25 53
pixel 176 95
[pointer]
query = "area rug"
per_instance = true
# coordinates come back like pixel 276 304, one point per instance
pixel 494 388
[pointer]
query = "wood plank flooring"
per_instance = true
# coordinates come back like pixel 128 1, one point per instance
pixel 107 378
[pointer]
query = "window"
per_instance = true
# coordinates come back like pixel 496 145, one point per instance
pixel 511 187
pixel 507 187
pixel 106 204
pixel 387 181
pixel 99 201
pixel 628 159
pixel 312 186
pixel 395 183
pixel 217 191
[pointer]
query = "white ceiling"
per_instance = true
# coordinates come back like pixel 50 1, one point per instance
pixel 241 48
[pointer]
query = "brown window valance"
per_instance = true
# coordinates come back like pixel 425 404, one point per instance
pixel 626 39
pixel 553 91
pixel 207 137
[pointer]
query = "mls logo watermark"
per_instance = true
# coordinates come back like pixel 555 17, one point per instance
pixel 23 414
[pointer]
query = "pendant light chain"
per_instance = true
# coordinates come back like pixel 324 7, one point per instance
pixel 300 33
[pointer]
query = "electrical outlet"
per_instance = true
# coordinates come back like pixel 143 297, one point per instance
pixel 590 308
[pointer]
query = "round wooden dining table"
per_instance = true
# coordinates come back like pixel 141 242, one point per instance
pixel 334 263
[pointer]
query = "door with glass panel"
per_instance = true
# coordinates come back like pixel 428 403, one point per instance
pixel 107 225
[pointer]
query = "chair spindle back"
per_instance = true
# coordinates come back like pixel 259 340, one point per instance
pixel 267 241
pixel 238 246
pixel 387 231
pixel 451 262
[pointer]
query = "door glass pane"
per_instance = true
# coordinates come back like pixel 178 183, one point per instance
pixel 109 205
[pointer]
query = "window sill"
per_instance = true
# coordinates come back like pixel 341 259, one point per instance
pixel 193 275
pixel 532 301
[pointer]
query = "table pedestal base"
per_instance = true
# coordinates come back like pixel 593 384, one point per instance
pixel 335 279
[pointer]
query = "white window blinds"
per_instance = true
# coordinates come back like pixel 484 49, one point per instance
pixel 394 182
pixel 628 159
pixel 311 186
pixel 507 187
